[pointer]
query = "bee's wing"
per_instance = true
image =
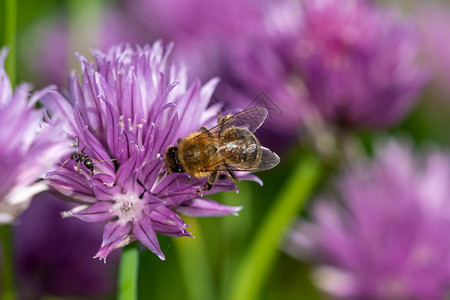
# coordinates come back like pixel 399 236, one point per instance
pixel 250 118
pixel 269 160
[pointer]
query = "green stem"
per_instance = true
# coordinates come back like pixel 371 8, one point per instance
pixel 128 272
pixel 193 258
pixel 7 271
pixel 263 251
pixel 10 37
pixel 9 34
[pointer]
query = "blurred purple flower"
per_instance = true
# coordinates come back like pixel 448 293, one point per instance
pixel 118 26
pixel 201 29
pixel 389 238
pixel 54 257
pixel 238 41
pixel 352 61
pixel 356 59
pixel 254 61
pixel 49 61
pixel 358 62
pixel 433 22
pixel 123 114
pixel 54 44
pixel 28 146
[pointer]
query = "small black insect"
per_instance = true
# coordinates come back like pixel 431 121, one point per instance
pixel 81 157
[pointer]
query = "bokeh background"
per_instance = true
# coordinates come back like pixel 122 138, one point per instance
pixel 249 45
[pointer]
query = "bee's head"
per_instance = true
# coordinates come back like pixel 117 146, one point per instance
pixel 172 162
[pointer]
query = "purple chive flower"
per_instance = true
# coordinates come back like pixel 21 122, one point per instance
pixel 388 239
pixel 358 62
pixel 122 114
pixel 28 146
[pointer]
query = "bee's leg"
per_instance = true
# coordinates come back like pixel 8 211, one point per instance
pixel 211 179
pixel 205 130
pixel 221 118
pixel 222 121
pixel 231 172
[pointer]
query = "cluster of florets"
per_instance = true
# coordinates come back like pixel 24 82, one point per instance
pixel 124 112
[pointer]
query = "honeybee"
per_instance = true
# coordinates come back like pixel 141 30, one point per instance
pixel 228 147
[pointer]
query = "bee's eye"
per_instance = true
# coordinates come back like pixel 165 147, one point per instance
pixel 172 151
